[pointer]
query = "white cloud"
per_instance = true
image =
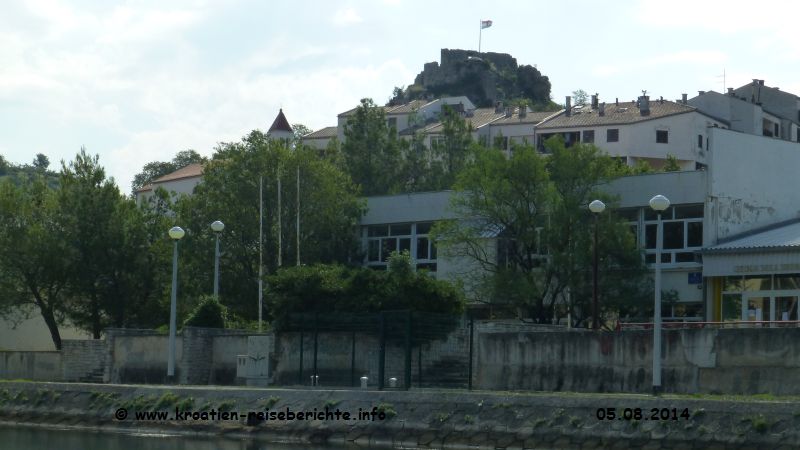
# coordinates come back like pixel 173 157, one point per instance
pixel 693 57
pixel 346 16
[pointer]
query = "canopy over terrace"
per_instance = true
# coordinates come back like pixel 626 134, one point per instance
pixel 756 276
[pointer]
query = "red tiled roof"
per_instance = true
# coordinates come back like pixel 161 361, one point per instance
pixel 190 171
pixel 280 123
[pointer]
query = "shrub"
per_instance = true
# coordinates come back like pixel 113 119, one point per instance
pixel 209 313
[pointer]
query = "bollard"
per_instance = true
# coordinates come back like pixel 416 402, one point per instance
pixel 363 382
pixel 392 382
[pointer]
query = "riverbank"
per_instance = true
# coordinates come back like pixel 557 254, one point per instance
pixel 413 419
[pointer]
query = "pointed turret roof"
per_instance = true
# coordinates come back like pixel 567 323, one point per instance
pixel 280 123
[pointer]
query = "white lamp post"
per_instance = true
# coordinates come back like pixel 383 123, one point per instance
pixel 175 233
pixel 596 207
pixel 217 227
pixel 659 203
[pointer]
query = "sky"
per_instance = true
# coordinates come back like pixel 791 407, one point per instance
pixel 138 81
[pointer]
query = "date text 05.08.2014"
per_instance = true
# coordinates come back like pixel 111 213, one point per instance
pixel 643 414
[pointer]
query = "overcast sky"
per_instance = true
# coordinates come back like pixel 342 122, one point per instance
pixel 138 81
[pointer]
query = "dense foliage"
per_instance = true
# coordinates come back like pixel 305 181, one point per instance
pixel 209 313
pixel 537 207
pixel 335 289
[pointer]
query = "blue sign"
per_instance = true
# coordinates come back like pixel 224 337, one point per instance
pixel 695 277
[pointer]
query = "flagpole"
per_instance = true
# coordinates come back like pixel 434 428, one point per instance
pixel 480 33
pixel 298 214
pixel 280 244
pixel 260 248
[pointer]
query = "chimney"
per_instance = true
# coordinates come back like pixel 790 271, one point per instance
pixel 616 101
pixel 602 109
pixel 661 100
pixel 684 98
pixel 701 92
pixel 644 105
pixel 594 101
pixel 498 107
pixel 523 111
pixel 760 82
pixel 568 106
pixel 730 91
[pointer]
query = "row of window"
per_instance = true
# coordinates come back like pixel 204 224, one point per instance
pixel 382 240
pixel 681 233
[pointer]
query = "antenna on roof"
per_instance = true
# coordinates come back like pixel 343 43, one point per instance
pixel 644 91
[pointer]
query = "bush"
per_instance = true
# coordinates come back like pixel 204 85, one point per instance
pixel 337 289
pixel 209 313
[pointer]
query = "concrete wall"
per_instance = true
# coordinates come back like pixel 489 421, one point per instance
pixel 32 334
pixel 728 361
pixel 143 358
pixel 739 162
pixel 36 366
pixel 84 360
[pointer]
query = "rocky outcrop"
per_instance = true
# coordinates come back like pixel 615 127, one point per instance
pixel 483 77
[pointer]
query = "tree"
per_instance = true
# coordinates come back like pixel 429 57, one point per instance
pixel 41 162
pixel 672 164
pixel 329 211
pixel 452 150
pixel 371 150
pixel 299 131
pixel 34 257
pixel 536 208
pixel 580 96
pixel 111 275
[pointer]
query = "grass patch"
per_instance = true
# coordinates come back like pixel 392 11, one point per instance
pixel 759 423
pixel 166 400
pixel 388 409
pixel 331 403
pixel 226 405
pixel 442 417
pixel 539 422
pixel 185 404
pixel 268 403
pixel 468 419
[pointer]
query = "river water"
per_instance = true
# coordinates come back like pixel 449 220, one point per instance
pixel 25 438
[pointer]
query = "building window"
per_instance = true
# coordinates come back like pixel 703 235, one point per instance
pixel 612 135
pixel 382 240
pixel 662 136
pixel 588 136
pixel 700 141
pixel 391 122
pixel 682 233
pixel 777 129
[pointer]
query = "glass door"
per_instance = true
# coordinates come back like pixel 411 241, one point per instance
pixel 756 308
pixel 785 308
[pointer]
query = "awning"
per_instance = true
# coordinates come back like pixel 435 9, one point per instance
pixel 773 250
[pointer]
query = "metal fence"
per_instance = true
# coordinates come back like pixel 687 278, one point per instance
pixel 392 349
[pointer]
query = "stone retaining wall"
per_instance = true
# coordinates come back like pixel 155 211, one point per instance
pixel 420 418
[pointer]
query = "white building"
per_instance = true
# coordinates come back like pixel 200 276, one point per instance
pixel 783 105
pixel 745 116
pixel 645 129
pixel 731 239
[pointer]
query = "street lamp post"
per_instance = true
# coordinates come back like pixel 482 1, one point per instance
pixel 659 203
pixel 176 233
pixel 217 227
pixel 596 207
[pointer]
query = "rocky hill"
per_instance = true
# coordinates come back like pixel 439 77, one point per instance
pixel 483 77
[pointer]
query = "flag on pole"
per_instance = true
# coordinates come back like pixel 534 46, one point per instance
pixel 485 24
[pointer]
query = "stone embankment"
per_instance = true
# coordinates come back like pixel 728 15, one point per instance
pixel 415 419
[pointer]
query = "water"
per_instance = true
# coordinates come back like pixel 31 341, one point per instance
pixel 30 438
